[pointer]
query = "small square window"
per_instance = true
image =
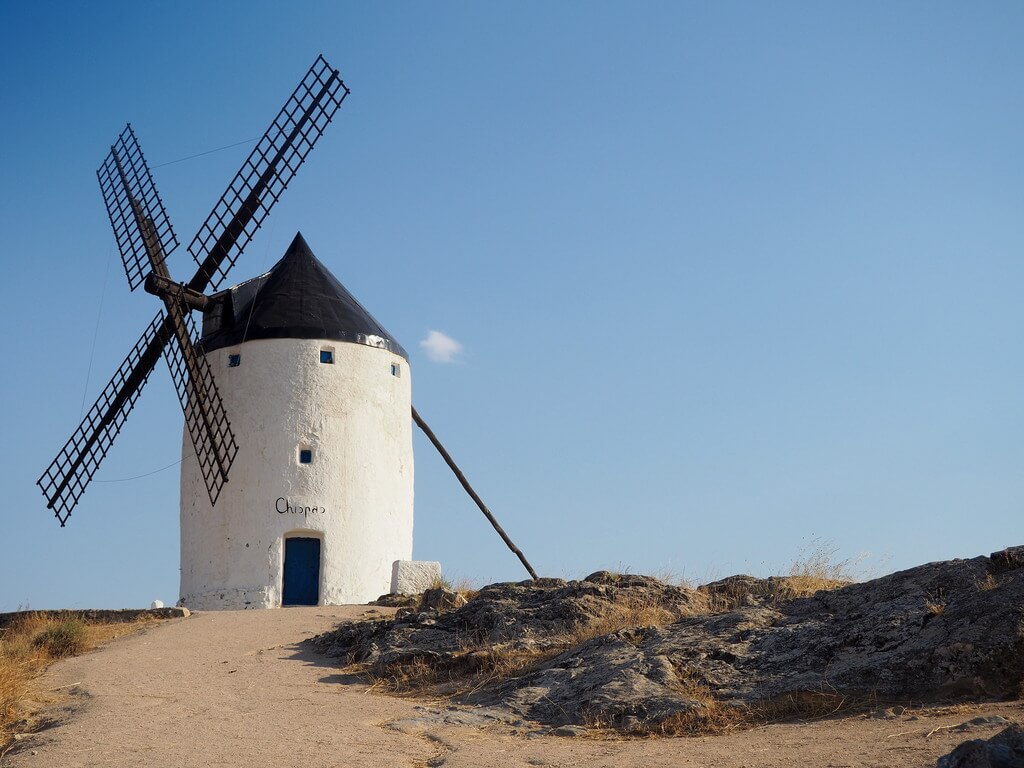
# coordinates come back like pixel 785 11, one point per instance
pixel 234 361
pixel 306 456
pixel 396 369
pixel 326 356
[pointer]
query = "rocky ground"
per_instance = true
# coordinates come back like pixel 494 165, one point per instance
pixel 634 654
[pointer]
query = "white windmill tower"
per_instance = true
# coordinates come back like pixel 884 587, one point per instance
pixel 320 503
pixel 293 387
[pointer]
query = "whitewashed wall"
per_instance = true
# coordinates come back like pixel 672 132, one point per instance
pixel 355 416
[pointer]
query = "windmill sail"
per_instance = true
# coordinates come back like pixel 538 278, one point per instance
pixel 265 174
pixel 129 193
pixel 205 417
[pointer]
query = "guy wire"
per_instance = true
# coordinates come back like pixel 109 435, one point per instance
pixel 147 474
pixel 207 152
pixel 96 330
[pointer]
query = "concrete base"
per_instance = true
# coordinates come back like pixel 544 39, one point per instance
pixel 231 599
pixel 411 577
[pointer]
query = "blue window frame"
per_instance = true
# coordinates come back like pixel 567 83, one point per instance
pixel 234 361
pixel 396 369
pixel 306 456
pixel 326 357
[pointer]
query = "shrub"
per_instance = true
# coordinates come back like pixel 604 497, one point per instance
pixel 66 638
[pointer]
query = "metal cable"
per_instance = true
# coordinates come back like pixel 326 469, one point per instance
pixel 147 474
pixel 96 331
pixel 207 152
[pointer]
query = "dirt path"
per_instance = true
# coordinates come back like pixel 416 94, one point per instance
pixel 236 689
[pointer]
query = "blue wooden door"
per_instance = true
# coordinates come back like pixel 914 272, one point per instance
pixel 301 572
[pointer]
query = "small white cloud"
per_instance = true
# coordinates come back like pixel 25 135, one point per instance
pixel 441 348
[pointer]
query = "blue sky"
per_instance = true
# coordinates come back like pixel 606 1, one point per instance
pixel 727 277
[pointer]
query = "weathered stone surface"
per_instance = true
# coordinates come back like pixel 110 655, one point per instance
pixel 934 631
pixel 569 730
pixel 523 613
pixel 984 721
pixel 1004 750
pixel 411 577
pixel 944 630
pixel 396 601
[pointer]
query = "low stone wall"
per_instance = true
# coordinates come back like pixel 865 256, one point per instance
pixel 100 615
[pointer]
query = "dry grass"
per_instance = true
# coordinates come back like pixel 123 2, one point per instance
pixel 989 582
pixel 632 613
pixel 806 705
pixel 464 587
pixel 704 718
pixel 406 679
pixel 707 715
pixel 814 570
pixel 30 644
pixel 440 582
pixel 818 569
pixel 466 672
pixel 726 598
pixel 21 660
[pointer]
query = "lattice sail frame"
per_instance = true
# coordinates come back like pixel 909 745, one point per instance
pixel 121 201
pixel 205 416
pixel 145 238
pixel 65 479
pixel 266 173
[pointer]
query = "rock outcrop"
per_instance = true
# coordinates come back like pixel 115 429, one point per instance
pixel 947 630
pixel 1004 750
pixel 533 615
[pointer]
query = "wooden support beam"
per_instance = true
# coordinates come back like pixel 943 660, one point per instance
pixel 473 494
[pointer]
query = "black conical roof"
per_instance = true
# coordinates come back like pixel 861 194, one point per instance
pixel 298 298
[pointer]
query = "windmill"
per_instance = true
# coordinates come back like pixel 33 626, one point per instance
pixel 145 239
pixel 253 549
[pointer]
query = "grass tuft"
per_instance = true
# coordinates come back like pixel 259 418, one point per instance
pixel 989 582
pixel 63 639
pixel 440 582
pixel 463 587
pixel 817 569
